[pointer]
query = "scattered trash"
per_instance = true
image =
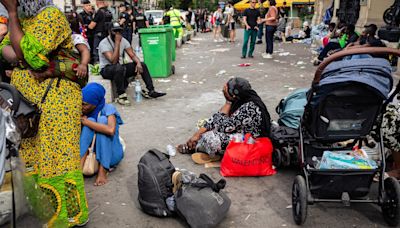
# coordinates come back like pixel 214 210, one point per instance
pixel 221 72
pixel 275 60
pixel 171 150
pixel 185 81
pixel 220 50
pixel 199 62
pixel 170 127
pixel 163 80
pixel 291 88
pixel 248 216
pixel 260 63
pixel 289 206
pixel 292 54
pixel 286 86
pixel 123 204
pixel 102 213
pixel 302 67
pixel 107 203
pixel 193 82
pixel 201 82
pixel 301 76
pixel 266 76
pixel 244 64
pixel 184 76
pixel 284 54
pixel 300 63
pixel 182 67
pixel 284 225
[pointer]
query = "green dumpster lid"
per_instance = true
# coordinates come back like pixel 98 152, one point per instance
pixel 153 30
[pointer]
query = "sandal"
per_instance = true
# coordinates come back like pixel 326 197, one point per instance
pixel 184 149
pixel 177 181
pixel 203 158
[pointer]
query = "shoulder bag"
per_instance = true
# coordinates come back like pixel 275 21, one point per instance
pixel 91 166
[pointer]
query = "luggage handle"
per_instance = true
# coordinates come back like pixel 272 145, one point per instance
pixel 355 51
pixel 15 95
pixel 161 156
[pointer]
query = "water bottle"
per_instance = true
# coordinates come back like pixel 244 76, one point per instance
pixel 137 49
pixel 316 162
pixel 171 150
pixel 138 91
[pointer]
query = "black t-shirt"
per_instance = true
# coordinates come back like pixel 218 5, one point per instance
pixel 102 17
pixel 125 15
pixel 140 20
pixel 308 32
pixel 251 17
pixel 86 19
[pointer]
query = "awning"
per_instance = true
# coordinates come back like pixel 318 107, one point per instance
pixel 244 4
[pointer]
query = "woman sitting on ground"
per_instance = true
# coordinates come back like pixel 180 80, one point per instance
pixel 243 112
pixel 103 120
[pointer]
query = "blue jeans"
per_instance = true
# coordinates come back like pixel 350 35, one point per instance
pixel 269 38
pixel 108 149
pixel 260 32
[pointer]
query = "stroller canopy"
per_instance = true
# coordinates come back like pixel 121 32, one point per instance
pixel 374 72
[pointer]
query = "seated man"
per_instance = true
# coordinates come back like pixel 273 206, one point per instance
pixel 367 38
pixel 112 51
pixel 243 112
pixel 103 120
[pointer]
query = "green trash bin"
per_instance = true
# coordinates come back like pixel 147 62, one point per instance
pixel 156 46
pixel 171 35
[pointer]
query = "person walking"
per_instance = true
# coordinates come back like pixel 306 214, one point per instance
pixel 271 23
pixel 251 18
pixel 123 20
pixel 51 158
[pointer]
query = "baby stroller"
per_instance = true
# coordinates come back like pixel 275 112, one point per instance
pixel 346 100
pixel 285 135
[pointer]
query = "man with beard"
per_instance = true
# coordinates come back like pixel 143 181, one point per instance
pixel 112 51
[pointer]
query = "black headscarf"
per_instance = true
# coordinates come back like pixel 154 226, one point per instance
pixel 241 89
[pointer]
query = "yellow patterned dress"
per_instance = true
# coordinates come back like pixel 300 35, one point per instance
pixel 52 157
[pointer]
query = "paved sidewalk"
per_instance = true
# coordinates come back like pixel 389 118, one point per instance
pixel 202 67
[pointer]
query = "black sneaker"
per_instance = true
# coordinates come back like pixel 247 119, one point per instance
pixel 259 42
pixel 250 56
pixel 155 94
pixel 243 57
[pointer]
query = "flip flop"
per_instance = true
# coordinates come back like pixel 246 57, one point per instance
pixel 202 158
pixel 177 181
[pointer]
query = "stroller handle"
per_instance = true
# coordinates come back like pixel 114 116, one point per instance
pixel 355 51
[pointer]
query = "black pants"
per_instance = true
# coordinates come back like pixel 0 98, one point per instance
pixel 329 47
pixel 121 73
pixel 269 38
pixel 95 51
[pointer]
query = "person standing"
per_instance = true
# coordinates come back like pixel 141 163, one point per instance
pixel 271 23
pixel 123 20
pixel 87 18
pixel 51 158
pixel 260 32
pixel 251 18
pixel 175 19
pixel 231 21
pixel 218 17
pixel 99 24
pixel 140 21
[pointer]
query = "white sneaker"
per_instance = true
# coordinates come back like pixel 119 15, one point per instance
pixel 215 40
pixel 220 40
pixel 267 56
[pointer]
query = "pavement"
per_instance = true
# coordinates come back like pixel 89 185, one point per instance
pixel 194 92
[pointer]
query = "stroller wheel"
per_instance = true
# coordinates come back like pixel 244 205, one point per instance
pixel 285 156
pixel 277 158
pixel 299 200
pixel 391 202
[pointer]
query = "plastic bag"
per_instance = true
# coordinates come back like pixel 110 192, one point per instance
pixel 252 157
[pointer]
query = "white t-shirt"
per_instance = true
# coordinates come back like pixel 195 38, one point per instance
pixel 79 39
pixel 230 11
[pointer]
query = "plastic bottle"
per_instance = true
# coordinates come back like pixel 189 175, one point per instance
pixel 138 91
pixel 171 150
pixel 316 162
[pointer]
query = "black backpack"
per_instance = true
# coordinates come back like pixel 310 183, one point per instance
pixel 155 183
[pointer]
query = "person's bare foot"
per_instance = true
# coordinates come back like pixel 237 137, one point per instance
pixel 101 177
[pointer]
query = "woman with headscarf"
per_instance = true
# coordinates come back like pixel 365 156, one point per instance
pixel 36 30
pixel 243 112
pixel 103 120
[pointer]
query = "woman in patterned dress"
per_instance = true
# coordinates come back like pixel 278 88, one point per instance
pixel 243 112
pixel 36 29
